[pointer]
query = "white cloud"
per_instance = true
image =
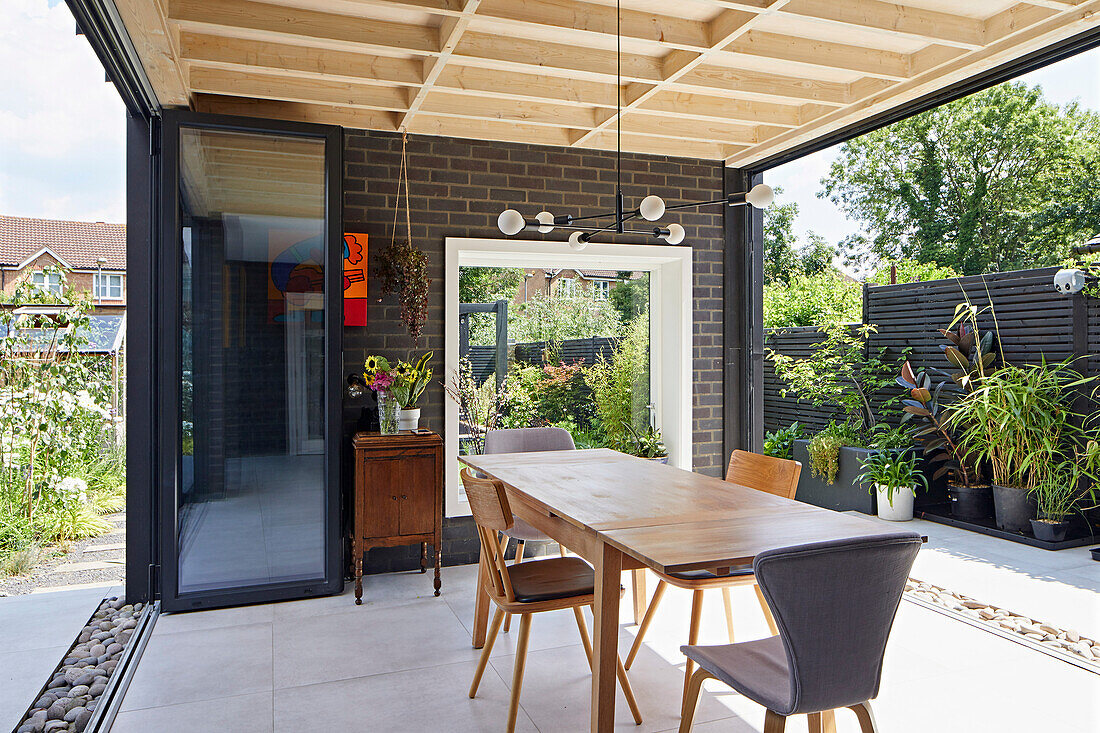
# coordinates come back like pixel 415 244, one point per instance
pixel 62 127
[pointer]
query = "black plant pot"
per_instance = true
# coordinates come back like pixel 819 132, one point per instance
pixel 844 494
pixel 1014 508
pixel 1049 531
pixel 971 502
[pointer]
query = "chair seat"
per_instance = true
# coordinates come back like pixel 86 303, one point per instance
pixel 756 669
pixel 524 532
pixel 547 580
pixel 702 575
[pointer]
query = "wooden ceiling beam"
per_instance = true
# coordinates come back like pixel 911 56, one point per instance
pixel 310 91
pixel 266 22
pixel 450 33
pixel 895 20
pixel 1010 46
pixel 445 104
pixel 496 52
pixel 152 39
pixel 306 62
pixel 823 54
pixel 702 107
pixel 792 88
pixel 355 118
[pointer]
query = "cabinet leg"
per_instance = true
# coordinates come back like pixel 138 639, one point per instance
pixel 423 556
pixel 438 563
pixel 357 560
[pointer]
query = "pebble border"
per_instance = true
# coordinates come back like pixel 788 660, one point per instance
pixel 1041 635
pixel 73 692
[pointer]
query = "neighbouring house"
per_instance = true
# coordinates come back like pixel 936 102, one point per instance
pixel 568 281
pixel 93 254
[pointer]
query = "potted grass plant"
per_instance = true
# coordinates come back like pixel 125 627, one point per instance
pixel 1019 423
pixel 894 477
pixel 1061 490
pixel 645 443
pixel 409 381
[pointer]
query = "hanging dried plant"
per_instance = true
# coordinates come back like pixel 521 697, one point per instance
pixel 403 267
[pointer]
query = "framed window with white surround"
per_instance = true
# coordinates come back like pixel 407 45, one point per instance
pixel 107 286
pixel 567 287
pixel 670 304
pixel 601 289
pixel 48 281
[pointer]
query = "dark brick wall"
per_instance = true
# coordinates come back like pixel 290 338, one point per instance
pixel 458 187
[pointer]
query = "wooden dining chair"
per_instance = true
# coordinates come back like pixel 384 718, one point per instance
pixel 764 473
pixel 526 440
pixel 528 588
pixel 834 603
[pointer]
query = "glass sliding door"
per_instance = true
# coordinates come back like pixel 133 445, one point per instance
pixel 251 513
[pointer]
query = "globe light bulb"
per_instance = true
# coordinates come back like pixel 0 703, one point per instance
pixel 510 222
pixel 546 222
pixel 674 234
pixel 652 208
pixel 578 241
pixel 761 196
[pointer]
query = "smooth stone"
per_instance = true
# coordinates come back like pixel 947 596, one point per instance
pixel 46 700
pixel 97 689
pixel 34 725
pixel 58 681
pixel 85 679
pixel 56 725
pixel 97 651
pixel 73 714
pixel 72 674
pixel 114 648
pixel 106 625
pixel 973 604
pixel 57 711
pixel 1049 629
pixel 1072 635
pixel 78 691
pixel 81 721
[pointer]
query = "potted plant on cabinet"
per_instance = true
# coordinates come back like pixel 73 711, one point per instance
pixel 1019 423
pixel 894 478
pixel 409 382
pixel 1062 489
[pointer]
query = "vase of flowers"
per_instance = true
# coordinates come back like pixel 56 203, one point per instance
pixel 409 382
pixel 379 377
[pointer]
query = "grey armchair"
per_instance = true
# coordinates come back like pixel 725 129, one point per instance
pixel 834 603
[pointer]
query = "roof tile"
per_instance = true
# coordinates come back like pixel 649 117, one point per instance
pixel 78 243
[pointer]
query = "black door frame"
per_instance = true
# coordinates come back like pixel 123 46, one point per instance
pixel 166 367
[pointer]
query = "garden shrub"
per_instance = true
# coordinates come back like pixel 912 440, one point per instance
pixel 620 387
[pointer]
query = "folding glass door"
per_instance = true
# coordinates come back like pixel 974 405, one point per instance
pixel 251 255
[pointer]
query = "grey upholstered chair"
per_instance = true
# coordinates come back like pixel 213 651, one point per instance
pixel 834 603
pixel 526 440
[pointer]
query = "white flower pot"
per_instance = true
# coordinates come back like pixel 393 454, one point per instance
pixel 902 509
pixel 408 419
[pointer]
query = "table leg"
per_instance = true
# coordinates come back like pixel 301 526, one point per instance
pixel 638 576
pixel 438 562
pixel 609 571
pixel 481 605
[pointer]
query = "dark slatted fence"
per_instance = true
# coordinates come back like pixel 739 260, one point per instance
pixel 1034 322
pixel 571 351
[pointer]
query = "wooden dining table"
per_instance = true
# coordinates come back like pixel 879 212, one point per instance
pixel 620 513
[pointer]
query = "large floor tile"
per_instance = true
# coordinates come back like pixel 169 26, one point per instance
pixel 434 699
pixel 22 674
pixel 361 641
pixel 41 620
pixel 172 623
pixel 240 714
pixel 190 666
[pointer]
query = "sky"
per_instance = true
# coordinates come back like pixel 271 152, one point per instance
pixel 1077 77
pixel 62 127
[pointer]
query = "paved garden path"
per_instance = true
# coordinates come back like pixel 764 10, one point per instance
pixel 98 562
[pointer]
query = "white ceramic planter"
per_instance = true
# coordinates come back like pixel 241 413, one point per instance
pixel 902 509
pixel 408 419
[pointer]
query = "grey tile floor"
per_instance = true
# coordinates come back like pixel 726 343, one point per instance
pixel 37 629
pixel 403 660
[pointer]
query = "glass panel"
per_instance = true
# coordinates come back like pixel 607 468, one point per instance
pixel 251 506
pixel 577 354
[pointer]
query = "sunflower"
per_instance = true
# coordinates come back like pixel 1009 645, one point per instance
pixel 403 369
pixel 371 364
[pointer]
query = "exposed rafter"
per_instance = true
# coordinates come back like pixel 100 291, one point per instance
pixel 739 80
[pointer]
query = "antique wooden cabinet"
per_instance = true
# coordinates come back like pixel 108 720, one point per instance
pixel 398 497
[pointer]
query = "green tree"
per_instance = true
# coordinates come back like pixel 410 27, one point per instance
pixel 999 180
pixel 630 295
pixel 554 319
pixel 910 271
pixel 784 256
pixel 487 285
pixel 813 300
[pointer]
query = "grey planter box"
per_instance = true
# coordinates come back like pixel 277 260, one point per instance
pixel 844 494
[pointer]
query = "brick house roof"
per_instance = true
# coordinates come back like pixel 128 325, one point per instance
pixel 78 243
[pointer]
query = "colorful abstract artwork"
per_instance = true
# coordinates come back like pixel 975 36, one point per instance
pixel 355 279
pixel 296 267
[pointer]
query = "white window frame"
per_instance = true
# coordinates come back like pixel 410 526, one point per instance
pixel 108 276
pixel 601 289
pixel 671 318
pixel 567 287
pixel 45 281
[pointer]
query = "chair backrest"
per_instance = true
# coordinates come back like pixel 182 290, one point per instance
pixel 834 603
pixel 777 476
pixel 489 505
pixel 528 440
